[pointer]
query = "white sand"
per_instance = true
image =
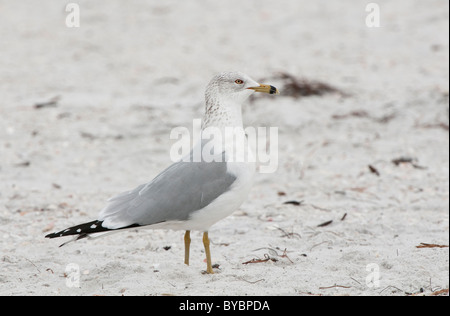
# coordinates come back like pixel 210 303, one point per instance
pixel 132 72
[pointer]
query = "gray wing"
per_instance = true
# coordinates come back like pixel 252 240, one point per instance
pixel 174 195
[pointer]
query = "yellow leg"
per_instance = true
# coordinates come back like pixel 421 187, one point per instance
pixel 187 243
pixel 208 253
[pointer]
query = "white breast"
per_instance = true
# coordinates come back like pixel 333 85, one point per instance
pixel 228 202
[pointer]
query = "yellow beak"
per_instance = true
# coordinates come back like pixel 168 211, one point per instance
pixel 265 88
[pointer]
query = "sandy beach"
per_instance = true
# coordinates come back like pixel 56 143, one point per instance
pixel 359 203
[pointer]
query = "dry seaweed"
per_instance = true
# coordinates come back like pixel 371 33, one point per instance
pixel 301 87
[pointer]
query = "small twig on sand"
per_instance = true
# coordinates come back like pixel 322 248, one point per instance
pixel 251 282
pixel 320 208
pixel 334 286
pixel 440 292
pixel 441 125
pixel 325 223
pixel 374 170
pixel 33 264
pixel 266 258
pixel 391 286
pixel 284 255
pixel 296 203
pixel 288 235
pixel 53 102
pixel 321 243
pixel 424 245
pixel 410 160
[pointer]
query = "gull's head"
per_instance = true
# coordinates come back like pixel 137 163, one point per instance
pixel 235 86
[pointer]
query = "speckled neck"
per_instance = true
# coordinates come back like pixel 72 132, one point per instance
pixel 222 113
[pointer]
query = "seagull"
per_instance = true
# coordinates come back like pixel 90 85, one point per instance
pixel 194 192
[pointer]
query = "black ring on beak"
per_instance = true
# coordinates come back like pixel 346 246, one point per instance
pixel 273 90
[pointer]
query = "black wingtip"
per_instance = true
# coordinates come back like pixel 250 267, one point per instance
pixel 82 229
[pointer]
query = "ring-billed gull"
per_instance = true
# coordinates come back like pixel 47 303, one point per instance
pixel 189 194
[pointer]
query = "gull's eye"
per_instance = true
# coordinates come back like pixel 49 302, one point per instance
pixel 239 81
